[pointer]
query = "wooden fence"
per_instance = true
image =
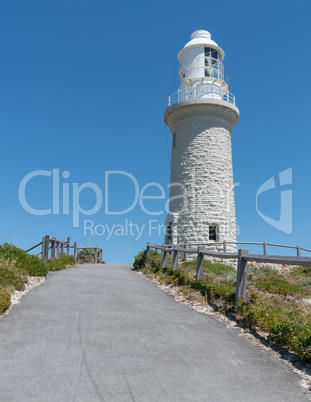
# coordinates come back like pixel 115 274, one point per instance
pixel 53 247
pixel 242 256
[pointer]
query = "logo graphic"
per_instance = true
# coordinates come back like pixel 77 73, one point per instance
pixel 285 223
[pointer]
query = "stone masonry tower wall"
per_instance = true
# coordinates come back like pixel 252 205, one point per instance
pixel 201 207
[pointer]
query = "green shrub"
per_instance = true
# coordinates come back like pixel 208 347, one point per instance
pixel 216 290
pixel 140 259
pixel 30 264
pixel 61 263
pixel 34 266
pixel 279 286
pixel 301 271
pixel 213 271
pixel 288 323
pixel 190 264
pixel 87 255
pixel 155 260
pixel 218 268
pixel 69 260
pixel 176 277
pixel 5 300
pixel 257 273
pixel 229 277
pixel 212 291
pixel 295 336
pixel 10 278
pixel 256 311
pixel 305 282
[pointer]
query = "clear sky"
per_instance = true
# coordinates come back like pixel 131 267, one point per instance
pixel 83 88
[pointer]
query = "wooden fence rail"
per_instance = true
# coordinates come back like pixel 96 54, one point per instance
pixel 242 256
pixel 55 247
pixel 263 244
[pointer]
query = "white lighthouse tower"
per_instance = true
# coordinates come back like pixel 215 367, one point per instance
pixel 201 115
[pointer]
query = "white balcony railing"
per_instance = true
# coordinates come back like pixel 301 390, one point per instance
pixel 202 92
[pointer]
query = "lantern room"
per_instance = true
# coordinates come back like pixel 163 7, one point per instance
pixel 201 72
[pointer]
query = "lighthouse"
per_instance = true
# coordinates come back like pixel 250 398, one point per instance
pixel 201 116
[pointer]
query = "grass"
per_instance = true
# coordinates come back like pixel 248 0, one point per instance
pixel 301 271
pixel 279 286
pixel 274 299
pixel 5 300
pixel 16 264
pixel 11 276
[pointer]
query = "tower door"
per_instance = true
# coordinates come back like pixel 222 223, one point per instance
pixel 169 233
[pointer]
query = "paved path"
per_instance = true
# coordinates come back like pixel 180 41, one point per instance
pixel 105 333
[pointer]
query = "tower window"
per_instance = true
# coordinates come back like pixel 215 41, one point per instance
pixel 213 232
pixel 174 141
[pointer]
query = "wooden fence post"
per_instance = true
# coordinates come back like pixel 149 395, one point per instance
pixel 148 251
pixel 75 250
pixel 43 258
pixel 164 259
pixel 265 248
pixel 175 259
pixel 53 248
pixel 45 248
pixel 96 255
pixel 298 251
pixel 57 248
pixel 68 245
pixel 200 264
pixel 241 275
pixel 62 247
pixel 185 254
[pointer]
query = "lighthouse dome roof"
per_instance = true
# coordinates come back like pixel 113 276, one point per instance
pixel 201 38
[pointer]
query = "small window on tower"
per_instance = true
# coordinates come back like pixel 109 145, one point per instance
pixel 213 232
pixel 174 141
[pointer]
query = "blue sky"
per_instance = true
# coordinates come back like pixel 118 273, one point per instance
pixel 84 85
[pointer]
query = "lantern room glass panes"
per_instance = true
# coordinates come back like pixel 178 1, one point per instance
pixel 212 63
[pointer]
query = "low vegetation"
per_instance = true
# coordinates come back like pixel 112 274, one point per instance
pixel 5 300
pixel 276 301
pixel 86 256
pixel 61 263
pixel 16 264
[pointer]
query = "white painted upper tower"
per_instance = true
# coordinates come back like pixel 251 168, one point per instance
pixel 201 115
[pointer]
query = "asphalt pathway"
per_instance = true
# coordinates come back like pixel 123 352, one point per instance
pixel 105 333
